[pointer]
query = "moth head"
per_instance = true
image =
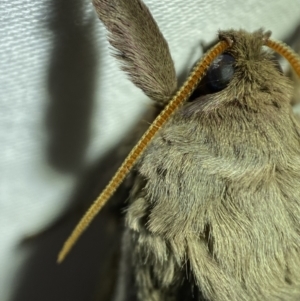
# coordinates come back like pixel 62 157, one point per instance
pixel 246 71
pixel 245 45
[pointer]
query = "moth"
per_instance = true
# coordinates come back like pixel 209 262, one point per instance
pixel 214 210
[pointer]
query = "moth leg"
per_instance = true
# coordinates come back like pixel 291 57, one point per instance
pixel 158 277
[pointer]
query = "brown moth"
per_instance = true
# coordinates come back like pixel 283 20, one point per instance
pixel 214 210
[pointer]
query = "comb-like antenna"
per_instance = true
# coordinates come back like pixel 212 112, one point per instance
pixel 289 54
pixel 181 96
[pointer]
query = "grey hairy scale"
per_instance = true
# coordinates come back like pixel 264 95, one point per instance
pixel 214 210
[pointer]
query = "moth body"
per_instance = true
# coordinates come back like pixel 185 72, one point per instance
pixel 219 189
pixel 214 210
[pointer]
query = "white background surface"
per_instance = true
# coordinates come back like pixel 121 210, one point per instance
pixel 64 104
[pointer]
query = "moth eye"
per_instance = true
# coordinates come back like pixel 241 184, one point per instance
pixel 218 76
pixel 220 72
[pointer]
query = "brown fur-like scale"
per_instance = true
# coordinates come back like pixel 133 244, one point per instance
pixel 221 191
pixel 135 35
pixel 214 211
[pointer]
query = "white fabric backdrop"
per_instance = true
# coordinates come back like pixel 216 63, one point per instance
pixel 64 103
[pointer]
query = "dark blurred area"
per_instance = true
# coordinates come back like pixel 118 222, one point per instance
pixel 90 270
pixel 71 83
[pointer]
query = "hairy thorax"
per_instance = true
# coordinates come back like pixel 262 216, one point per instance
pixel 221 188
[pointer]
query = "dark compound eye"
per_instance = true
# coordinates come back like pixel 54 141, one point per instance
pixel 220 72
pixel 217 77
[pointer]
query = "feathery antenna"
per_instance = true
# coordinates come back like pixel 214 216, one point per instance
pixel 288 53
